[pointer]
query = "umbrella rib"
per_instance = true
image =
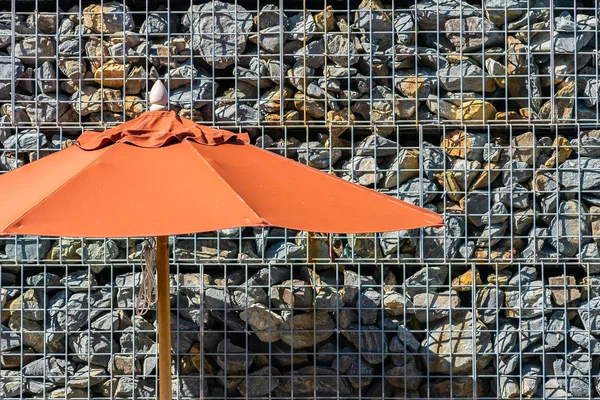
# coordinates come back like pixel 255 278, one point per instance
pixel 39 203
pixel 201 157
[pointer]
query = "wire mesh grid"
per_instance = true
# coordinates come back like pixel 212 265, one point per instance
pixel 484 111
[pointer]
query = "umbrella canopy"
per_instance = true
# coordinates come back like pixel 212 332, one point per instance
pixel 161 174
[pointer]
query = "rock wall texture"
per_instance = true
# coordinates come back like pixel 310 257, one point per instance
pixel 484 111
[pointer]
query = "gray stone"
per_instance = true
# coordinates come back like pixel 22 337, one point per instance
pixel 241 113
pixel 233 358
pixel 401 168
pixel 414 190
pixel 467 77
pixel 506 339
pixel 504 11
pixel 27 141
pixel 135 342
pixel 369 303
pixel 322 381
pixel 315 155
pixel 404 27
pixel 564 39
pixel 159 23
pixel 9 339
pixel 489 300
pixel 285 251
pixel 491 235
pixel 128 387
pixel 584 339
pixel 529 301
pixel 579 174
pixel 340 50
pixel 269 16
pixel 183 333
pixel 433 14
pixel 49 369
pixel 515 195
pixel 589 312
pixel 434 160
pixel 80 281
pixel 362 170
pixel 566 228
pixel 369 341
pixel 558 325
pixel 376 146
pixel 219 31
pixel 355 284
pixel 470 34
pixel 530 379
pixel 31 50
pixel 477 206
pixel 46 77
pixel 516 172
pixel 43 279
pixel 200 94
pixel 467 337
pixel 302 26
pixel 497 214
pixel 93 347
pixel 591 93
pixel 311 55
pixel 426 279
pixel 531 330
pixel 509 387
pixel 435 306
pixel 443 243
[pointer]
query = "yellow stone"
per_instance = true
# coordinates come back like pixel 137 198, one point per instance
pixel 13 359
pixel 476 110
pixel 134 106
pixel 271 100
pixel 489 174
pixel 464 282
pixel 309 106
pixel 563 289
pixel 339 121
pixel 112 99
pixel 508 116
pixel 112 74
pixel 65 249
pixel 457 144
pixel 323 18
pixel 132 39
pixel 448 182
pixel 136 80
pixel 517 56
pixel 500 278
pixel 564 151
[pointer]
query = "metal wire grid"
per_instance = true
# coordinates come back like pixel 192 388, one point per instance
pixel 406 71
pixel 298 351
pixel 509 195
pixel 532 359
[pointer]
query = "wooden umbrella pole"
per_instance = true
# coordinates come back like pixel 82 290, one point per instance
pixel 164 319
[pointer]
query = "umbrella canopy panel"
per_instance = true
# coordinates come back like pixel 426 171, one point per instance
pixel 126 190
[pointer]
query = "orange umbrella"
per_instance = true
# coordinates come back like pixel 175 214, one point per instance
pixel 160 175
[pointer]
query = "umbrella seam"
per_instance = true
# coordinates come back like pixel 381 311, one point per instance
pixel 201 157
pixel 4 231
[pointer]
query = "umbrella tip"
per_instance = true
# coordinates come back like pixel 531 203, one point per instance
pixel 159 97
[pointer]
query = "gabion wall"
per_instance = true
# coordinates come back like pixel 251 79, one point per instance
pixel 484 111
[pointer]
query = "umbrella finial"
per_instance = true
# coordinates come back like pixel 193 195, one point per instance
pixel 159 97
